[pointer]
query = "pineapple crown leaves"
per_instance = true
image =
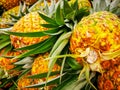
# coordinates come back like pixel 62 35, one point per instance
pixel 23 10
pixel 26 62
pixel 57 23
pixel 106 5
pixel 72 83
pixel 4 41
pixel 43 75
pixel 6 81
pixel 52 81
pixel 3 73
pixel 42 48
pixel 73 12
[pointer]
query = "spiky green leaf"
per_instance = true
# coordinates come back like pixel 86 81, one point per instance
pixel 49 25
pixel 44 47
pixel 59 16
pixel 52 81
pixel 15 17
pixel 48 19
pixel 34 34
pixel 23 73
pixel 4 44
pixel 67 9
pixel 7 49
pixel 73 63
pixel 43 75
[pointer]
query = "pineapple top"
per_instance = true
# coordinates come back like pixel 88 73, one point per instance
pixel 81 3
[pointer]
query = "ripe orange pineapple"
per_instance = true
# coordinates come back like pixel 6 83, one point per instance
pixel 100 33
pixel 29 23
pixel 8 4
pixel 41 66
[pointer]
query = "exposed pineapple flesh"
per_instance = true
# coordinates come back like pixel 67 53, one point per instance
pixel 8 4
pixel 29 23
pixel 110 79
pixel 100 31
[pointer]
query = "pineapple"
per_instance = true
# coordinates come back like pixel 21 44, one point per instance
pixel 29 23
pixel 99 31
pixel 93 36
pixel 41 66
pixel 9 4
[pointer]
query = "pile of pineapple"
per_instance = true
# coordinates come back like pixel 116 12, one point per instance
pixel 60 45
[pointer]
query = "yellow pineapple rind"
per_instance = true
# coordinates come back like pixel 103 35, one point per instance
pixel 100 31
pixel 29 23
